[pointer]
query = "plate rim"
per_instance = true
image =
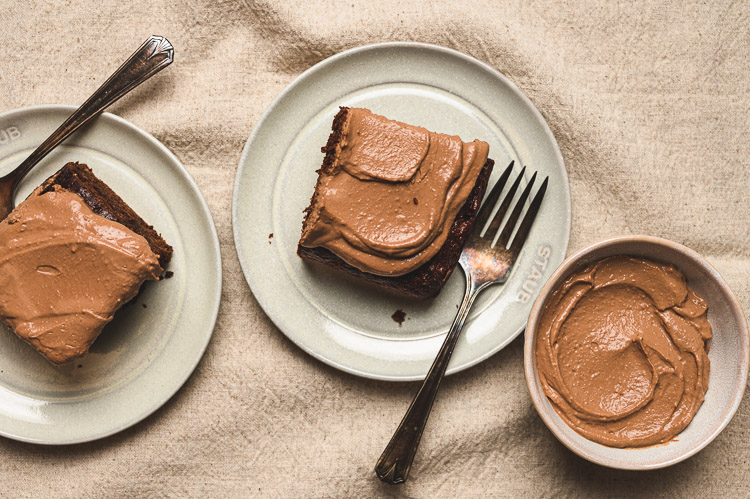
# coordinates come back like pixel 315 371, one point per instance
pixel 290 88
pixel 215 303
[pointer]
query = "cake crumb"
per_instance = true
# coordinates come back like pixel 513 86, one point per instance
pixel 399 316
pixel 416 201
pixel 143 305
pixel 270 236
pixel 168 274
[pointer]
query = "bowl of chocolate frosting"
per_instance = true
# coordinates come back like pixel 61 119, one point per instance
pixel 636 353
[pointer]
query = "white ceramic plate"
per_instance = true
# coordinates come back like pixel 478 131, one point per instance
pixel 347 323
pixel 146 353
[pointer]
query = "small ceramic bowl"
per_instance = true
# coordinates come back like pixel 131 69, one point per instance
pixel 729 355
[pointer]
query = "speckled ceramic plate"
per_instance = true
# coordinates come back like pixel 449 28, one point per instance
pixel 347 323
pixel 149 350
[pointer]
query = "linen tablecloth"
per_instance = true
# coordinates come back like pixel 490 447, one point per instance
pixel 649 102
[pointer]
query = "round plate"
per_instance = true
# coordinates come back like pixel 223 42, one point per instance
pixel 347 323
pixel 150 348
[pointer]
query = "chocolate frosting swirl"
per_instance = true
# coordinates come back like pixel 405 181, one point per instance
pixel 622 352
pixel 64 271
pixel 393 193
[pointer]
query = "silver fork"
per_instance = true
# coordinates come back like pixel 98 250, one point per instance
pixel 483 264
pixel 155 54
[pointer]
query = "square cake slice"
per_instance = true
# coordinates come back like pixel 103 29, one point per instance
pixel 394 203
pixel 71 255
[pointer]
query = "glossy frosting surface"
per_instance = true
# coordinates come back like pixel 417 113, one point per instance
pixel 64 272
pixel 393 193
pixel 622 352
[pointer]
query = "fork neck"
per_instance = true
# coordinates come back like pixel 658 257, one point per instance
pixel 471 291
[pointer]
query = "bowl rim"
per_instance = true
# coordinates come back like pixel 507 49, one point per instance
pixel 530 370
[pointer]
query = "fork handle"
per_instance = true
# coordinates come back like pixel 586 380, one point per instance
pixel 155 54
pixel 395 463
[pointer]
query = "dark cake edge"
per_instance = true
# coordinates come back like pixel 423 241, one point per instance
pixel 79 179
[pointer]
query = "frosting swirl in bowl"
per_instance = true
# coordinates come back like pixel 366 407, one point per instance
pixel 622 351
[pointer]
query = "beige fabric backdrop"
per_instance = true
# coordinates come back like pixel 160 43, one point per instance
pixel 649 102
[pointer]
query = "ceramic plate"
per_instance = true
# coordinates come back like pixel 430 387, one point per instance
pixel 150 348
pixel 347 323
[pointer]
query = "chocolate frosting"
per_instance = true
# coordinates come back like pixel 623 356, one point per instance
pixel 65 270
pixel 622 352
pixel 393 193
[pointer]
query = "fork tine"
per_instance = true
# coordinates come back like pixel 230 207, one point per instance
pixel 495 224
pixel 528 220
pixel 489 204
pixel 504 238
